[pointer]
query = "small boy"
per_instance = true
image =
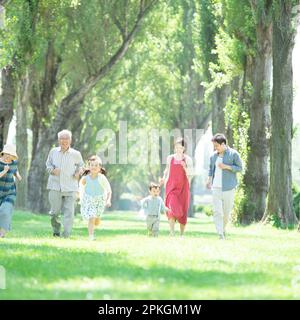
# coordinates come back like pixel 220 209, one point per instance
pixel 153 205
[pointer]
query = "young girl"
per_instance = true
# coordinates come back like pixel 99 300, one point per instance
pixel 8 172
pixel 95 194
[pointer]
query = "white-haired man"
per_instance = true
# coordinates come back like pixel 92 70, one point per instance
pixel 63 165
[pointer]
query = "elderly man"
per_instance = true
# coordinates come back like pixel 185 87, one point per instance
pixel 64 165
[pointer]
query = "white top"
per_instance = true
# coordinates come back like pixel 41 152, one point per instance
pixel 217 183
pixel 68 162
pixel 99 186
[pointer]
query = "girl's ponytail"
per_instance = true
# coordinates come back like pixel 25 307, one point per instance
pixel 103 171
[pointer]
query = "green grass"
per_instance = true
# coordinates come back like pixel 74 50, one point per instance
pixel 256 262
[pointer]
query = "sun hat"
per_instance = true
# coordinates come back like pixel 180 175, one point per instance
pixel 10 149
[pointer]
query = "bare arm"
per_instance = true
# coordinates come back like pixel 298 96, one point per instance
pixel 108 191
pixel 166 172
pixel 18 176
pixel 5 170
pixel 188 168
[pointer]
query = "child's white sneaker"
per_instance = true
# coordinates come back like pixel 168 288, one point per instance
pixel 92 237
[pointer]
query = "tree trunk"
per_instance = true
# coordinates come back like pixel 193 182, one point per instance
pixel 21 138
pixel 256 176
pixel 220 96
pixel 234 89
pixel 280 199
pixel 116 194
pixel 7 98
pixel 37 175
pixel 69 105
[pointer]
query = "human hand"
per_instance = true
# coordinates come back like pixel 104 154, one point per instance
pixel 208 184
pixel 18 176
pixel 56 172
pixel 6 168
pixel 161 181
pixel 223 166
pixel 108 204
pixel 77 175
pixel 82 171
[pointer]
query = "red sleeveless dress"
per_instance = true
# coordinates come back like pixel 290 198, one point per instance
pixel 177 192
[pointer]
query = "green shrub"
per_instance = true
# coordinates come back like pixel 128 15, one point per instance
pixel 207 209
pixel 296 199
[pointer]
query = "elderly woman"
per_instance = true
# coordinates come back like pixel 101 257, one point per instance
pixel 177 178
pixel 64 165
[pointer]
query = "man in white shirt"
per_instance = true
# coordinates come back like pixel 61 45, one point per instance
pixel 224 165
pixel 64 165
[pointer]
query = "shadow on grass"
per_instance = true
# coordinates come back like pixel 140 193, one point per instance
pixel 28 225
pixel 40 230
pixel 49 264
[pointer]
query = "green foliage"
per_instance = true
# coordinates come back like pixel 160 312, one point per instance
pixel 156 85
pixel 239 121
pixel 206 209
pixel 207 34
pixel 296 200
pixel 234 40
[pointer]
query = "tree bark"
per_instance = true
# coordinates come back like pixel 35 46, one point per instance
pixel 22 138
pixel 234 89
pixel 219 98
pixel 256 176
pixel 69 105
pixel 7 98
pixel 280 200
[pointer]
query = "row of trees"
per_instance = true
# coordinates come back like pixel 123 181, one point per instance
pixel 250 63
pixel 173 64
pixel 66 47
pixel 58 52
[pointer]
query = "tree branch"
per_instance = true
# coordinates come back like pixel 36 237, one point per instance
pixel 118 24
pixel 76 97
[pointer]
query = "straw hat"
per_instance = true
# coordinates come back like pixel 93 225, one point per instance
pixel 10 149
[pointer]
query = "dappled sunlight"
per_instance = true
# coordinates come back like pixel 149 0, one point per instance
pixel 123 263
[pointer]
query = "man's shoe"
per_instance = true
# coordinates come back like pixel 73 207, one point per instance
pixel 56 234
pixel 221 237
pixel 92 238
pixel 66 235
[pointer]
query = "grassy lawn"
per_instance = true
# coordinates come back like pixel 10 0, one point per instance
pixel 256 262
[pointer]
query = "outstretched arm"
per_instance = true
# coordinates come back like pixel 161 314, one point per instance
pixel 189 169
pixel 5 170
pixel 166 172
pixel 107 189
pixel 18 176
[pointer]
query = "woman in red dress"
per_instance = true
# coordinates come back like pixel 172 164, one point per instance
pixel 177 178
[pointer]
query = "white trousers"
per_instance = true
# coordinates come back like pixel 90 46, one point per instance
pixel 222 204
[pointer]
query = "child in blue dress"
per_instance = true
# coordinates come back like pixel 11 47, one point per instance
pixel 95 194
pixel 8 173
